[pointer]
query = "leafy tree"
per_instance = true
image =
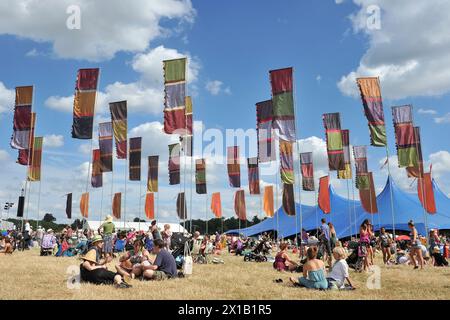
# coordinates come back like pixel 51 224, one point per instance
pixel 48 217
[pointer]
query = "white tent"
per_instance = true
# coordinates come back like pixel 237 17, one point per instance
pixel 174 227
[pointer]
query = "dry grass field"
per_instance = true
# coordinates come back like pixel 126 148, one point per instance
pixel 26 275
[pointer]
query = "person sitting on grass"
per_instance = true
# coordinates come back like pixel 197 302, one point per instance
pixel 313 272
pixel 282 261
pixel 6 246
pixel 134 262
pixel 94 269
pixel 339 273
pixel 164 266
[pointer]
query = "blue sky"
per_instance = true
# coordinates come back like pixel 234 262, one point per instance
pixel 231 46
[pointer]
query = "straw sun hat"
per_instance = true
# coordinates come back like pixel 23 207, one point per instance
pixel 108 218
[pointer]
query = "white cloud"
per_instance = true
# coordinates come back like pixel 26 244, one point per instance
pixel 318 78
pixel 215 87
pixel 339 1
pixel 441 163
pixel 146 94
pixel 443 119
pixel 85 148
pixel 426 111
pixel 407 65
pixel 106 27
pixel 53 141
pixel 4 155
pixel 6 99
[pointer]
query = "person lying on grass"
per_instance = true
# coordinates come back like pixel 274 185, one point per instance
pixel 282 261
pixel 94 269
pixel 339 273
pixel 6 246
pixel 313 272
pixel 134 262
pixel 164 266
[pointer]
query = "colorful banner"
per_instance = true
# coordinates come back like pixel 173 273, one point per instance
pixel 288 199
pixel 239 205
pixel 216 204
pixel 97 176
pixel 105 143
pixel 152 177
pixel 233 166
pixel 417 172
pixel 266 143
pixel 119 122
pixel 84 205
pixel 253 175
pixel 286 162
pixel 116 205
pixel 174 164
pixel 335 149
pixel 22 122
pixel 347 173
pixel 307 168
pixel 84 103
pixel 373 109
pixel 405 138
pixel 150 205
pixel 200 176
pixel 367 195
pixel 425 191
pixel 324 195
pixel 135 159
pixel 181 206
pixel 283 103
pixel 174 95
pixel 360 155
pixel 268 201
pixel 69 206
pixel 23 158
pixel 34 170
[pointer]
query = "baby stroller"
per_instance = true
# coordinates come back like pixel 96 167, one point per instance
pixel 178 242
pixel 260 252
pixel 356 259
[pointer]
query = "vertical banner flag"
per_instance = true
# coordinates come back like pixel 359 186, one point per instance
pixel 405 136
pixel 239 205
pixel 97 176
pixel 22 118
pixel 150 205
pixel 119 122
pixel 106 146
pixel 84 103
pixel 135 159
pixel 347 173
pixel 425 190
pixel 181 206
pixel 335 149
pixel 266 144
pixel 367 195
pixel 268 201
pixel 417 172
pixel 288 199
pixel 360 155
pixel 25 155
pixel 307 168
pixel 20 206
pixel 186 139
pixel 34 170
pixel 152 177
pixel 286 162
pixel 253 175
pixel 174 164
pixel 233 165
pixel 116 205
pixel 324 195
pixel 200 176
pixel 84 205
pixel 216 204
pixel 373 109
pixel 174 95
pixel 283 103
pixel 69 206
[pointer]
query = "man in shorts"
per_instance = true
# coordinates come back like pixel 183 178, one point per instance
pixel 164 266
pixel 325 240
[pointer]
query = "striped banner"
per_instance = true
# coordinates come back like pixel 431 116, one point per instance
pixel 175 95
pixel 152 177
pixel 264 120
pixel 34 170
pixel 174 164
pixel 119 122
pixel 181 206
pixel 286 162
pixel 200 176
pixel 233 166
pixel 105 143
pixel 23 158
pixel 347 173
pixel 307 168
pixel 405 137
pixel 335 150
pixel 97 176
pixel 253 175
pixel 22 123
pixel 135 159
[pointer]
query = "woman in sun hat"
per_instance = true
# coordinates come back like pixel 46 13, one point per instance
pixel 107 229
pixel 94 269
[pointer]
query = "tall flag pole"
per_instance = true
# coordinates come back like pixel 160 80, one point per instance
pixel 105 142
pixel 200 185
pixel 347 173
pixel 307 170
pixel 152 186
pixel 369 88
pixel 134 163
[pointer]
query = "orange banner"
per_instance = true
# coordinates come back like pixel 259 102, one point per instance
pixel 268 201
pixel 324 195
pixel 425 190
pixel 216 204
pixel 150 205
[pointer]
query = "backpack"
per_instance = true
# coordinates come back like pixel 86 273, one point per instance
pixel 187 263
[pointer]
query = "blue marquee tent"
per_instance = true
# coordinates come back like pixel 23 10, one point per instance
pixel 347 215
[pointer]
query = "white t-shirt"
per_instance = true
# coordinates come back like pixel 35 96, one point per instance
pixel 27 227
pixel 339 271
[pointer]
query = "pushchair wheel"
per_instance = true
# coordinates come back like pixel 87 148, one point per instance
pixel 246 258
